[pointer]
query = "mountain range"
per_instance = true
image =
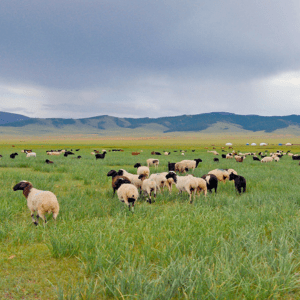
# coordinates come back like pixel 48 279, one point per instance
pixel 183 123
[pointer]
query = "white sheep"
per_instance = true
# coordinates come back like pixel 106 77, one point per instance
pixel 152 162
pixel 38 201
pixel 222 175
pixel 134 179
pixel 142 170
pixel 229 156
pixel 276 158
pixel 127 192
pixel 186 164
pixel 148 186
pixel 31 154
pixel 202 186
pixel 187 183
pixel 164 179
pixel 267 159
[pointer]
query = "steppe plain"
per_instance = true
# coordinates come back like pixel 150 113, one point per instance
pixel 223 246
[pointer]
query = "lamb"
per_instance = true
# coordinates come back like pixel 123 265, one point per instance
pixel 31 154
pixel 239 182
pixel 114 175
pixel 127 192
pixel 38 201
pixel 211 182
pixel 152 162
pixel 187 183
pixel 185 165
pixel 267 159
pixel 142 169
pixel 148 186
pixel 222 175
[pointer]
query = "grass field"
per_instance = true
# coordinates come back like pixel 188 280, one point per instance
pixel 224 246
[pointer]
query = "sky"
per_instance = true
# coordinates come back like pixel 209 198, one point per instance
pixel 141 58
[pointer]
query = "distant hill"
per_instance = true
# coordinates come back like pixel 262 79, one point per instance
pixel 9 118
pixel 184 123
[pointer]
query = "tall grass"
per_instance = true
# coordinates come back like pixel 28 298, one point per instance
pixel 223 246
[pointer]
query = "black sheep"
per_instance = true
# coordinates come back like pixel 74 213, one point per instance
pixel 98 155
pixel 13 155
pixel 171 166
pixel 256 158
pixel 239 182
pixel 216 159
pixel 211 182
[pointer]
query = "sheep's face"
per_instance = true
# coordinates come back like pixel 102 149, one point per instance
pixel 197 160
pixel 137 165
pixel 232 176
pixel 173 175
pixel 21 185
pixel 112 173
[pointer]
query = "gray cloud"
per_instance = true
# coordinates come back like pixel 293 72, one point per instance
pixel 145 58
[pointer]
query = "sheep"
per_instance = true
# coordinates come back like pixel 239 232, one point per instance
pixel 127 192
pixel 167 153
pixel 98 155
pixel 223 155
pixel 185 165
pixel 231 171
pixel 267 159
pixel 38 201
pixel 134 179
pixel 229 156
pixel 54 152
pixel 135 153
pixel 256 158
pixel 239 158
pixel 296 157
pixel 164 179
pixel 31 154
pixel 187 183
pixel 222 175
pixel 171 166
pixel 68 153
pixel 216 159
pixel 276 158
pixel 47 161
pixel 148 186
pixel 152 162
pixel 202 186
pixel 239 182
pixel 211 182
pixel 142 169
pixel 13 155
pixel 114 175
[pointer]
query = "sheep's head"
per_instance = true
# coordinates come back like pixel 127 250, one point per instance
pixel 173 175
pixel 112 173
pixel 232 176
pixel 121 181
pixel 197 160
pixel 22 185
pixel 137 165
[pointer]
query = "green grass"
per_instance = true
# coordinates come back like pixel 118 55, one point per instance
pixel 224 246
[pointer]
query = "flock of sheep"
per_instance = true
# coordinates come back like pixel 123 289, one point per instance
pixel 131 186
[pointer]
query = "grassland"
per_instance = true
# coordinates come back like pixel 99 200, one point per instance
pixel 224 246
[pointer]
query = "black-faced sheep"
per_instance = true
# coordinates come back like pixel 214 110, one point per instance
pixel 142 170
pixel 164 179
pixel 185 165
pixel 152 162
pixel 239 182
pixel 38 201
pixel 114 175
pixel 187 183
pixel 134 179
pixel 127 192
pixel 222 175
pixel 211 182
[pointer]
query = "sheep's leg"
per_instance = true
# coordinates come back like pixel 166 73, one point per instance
pixel 37 220
pixel 33 219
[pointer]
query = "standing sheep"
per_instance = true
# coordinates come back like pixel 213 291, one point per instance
pixel 148 186
pixel 239 182
pixel 267 159
pixel 211 182
pixel 152 162
pixel 114 175
pixel 38 201
pixel 142 169
pixel 222 175
pixel 127 192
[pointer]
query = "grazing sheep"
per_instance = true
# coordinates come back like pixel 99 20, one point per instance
pixel 229 156
pixel 223 155
pixel 152 162
pixel 296 157
pixel 47 161
pixel 231 171
pixel 98 155
pixel 276 158
pixel 54 152
pixel 216 159
pixel 135 153
pixel 202 186
pixel 185 165
pixel 239 158
pixel 211 182
pixel 239 182
pixel 267 159
pixel 13 155
pixel 114 175
pixel 68 153
pixel 148 186
pixel 31 154
pixel 164 179
pixel 187 183
pixel 38 201
pixel 256 158
pixel 222 175
pixel 167 153
pixel 127 192
pixel 142 170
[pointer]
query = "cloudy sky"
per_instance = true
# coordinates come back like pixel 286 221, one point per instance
pixel 141 58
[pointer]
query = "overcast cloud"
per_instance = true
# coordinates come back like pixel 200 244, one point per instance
pixel 76 59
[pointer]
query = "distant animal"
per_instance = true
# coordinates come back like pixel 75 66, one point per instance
pixel 99 155
pixel 239 182
pixel 47 161
pixel 13 155
pixel 216 159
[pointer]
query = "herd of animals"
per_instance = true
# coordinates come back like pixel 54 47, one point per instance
pixel 131 186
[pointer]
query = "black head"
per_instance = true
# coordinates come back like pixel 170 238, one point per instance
pixel 120 172
pixel 22 185
pixel 173 175
pixel 197 160
pixel 142 176
pixel 232 176
pixel 112 173
pixel 121 181
pixel 137 165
